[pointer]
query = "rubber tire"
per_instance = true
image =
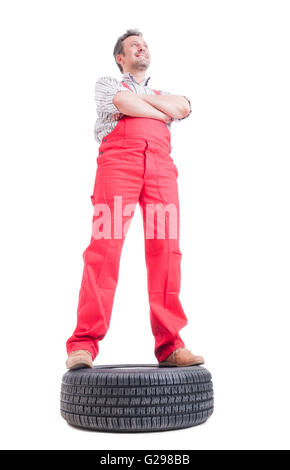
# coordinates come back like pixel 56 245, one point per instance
pixel 144 398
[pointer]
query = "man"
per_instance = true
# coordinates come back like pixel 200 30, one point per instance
pixel 134 165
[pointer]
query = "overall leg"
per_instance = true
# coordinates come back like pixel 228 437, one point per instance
pixel 116 191
pixel 159 203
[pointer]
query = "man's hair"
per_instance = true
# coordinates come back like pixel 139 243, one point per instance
pixel 118 49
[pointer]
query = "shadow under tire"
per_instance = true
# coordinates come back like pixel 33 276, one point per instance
pixel 136 398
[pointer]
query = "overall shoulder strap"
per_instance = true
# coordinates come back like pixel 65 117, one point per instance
pixel 127 86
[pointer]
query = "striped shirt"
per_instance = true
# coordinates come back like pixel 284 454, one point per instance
pixel 108 114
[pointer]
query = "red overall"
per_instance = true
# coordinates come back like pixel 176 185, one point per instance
pixel 134 162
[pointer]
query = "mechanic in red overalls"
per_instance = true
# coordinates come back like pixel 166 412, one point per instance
pixel 134 166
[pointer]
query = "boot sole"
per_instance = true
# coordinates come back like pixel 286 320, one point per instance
pixel 167 364
pixel 78 365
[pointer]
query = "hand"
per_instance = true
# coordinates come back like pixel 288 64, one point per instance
pixel 117 116
pixel 168 119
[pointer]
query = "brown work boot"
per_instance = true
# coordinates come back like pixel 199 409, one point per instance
pixel 78 359
pixel 182 357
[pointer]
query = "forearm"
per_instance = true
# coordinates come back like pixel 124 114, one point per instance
pixel 175 106
pixel 130 104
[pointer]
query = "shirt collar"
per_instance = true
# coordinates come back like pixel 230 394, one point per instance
pixel 129 76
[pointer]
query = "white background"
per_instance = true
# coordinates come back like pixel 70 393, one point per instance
pixel 232 59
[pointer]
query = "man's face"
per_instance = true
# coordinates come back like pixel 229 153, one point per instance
pixel 136 54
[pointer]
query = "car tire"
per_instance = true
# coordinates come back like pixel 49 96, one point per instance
pixel 136 398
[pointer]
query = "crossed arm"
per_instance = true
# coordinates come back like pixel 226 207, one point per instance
pixel 162 107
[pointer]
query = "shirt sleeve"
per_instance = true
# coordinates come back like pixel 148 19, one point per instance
pixel 105 90
pixel 189 102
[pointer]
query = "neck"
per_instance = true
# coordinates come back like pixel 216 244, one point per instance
pixel 139 75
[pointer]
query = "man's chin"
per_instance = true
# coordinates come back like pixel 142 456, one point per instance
pixel 141 65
